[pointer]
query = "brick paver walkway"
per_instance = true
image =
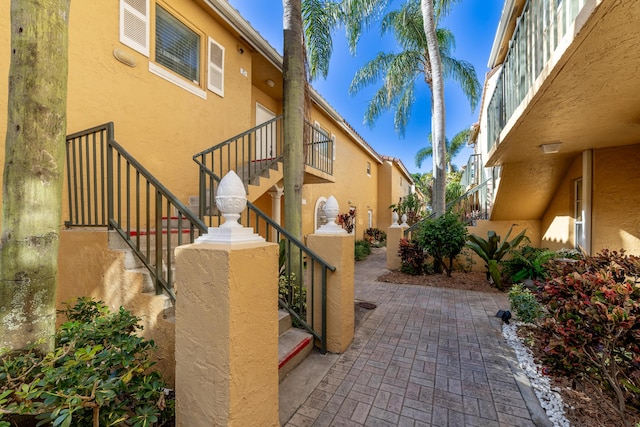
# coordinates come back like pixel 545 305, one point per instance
pixel 424 357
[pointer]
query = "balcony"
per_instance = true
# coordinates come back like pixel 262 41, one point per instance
pixel 538 33
pixel 569 77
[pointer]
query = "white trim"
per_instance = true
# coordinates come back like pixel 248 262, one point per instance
pixel 178 81
pixel 587 200
pixel 333 140
pixel 125 8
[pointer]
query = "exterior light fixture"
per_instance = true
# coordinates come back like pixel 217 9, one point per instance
pixel 551 148
pixel 270 83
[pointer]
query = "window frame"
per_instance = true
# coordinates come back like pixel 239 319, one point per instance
pixel 164 60
pixel 171 75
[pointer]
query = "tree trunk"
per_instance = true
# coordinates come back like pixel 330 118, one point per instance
pixel 437 110
pixel 33 172
pixel 295 80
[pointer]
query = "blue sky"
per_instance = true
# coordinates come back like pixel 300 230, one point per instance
pixel 473 23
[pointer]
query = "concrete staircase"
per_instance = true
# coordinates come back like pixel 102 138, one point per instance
pixel 294 345
pixel 139 275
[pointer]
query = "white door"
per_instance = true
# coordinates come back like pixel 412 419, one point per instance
pixel 265 137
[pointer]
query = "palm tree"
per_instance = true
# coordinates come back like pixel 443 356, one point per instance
pixel 452 149
pixel 411 27
pixel 311 22
pixel 33 173
pixel 295 84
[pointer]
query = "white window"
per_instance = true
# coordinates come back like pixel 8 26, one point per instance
pixel 370 218
pixel 177 46
pixel 134 25
pixel 369 168
pixel 216 68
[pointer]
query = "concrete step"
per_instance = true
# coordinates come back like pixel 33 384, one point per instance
pixel 294 345
pixel 284 321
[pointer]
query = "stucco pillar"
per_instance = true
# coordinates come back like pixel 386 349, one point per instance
pixel 337 250
pixel 227 335
pixel 394 234
pixel 333 244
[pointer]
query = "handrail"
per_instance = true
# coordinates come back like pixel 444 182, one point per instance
pixel 302 267
pixel 253 152
pixel 108 187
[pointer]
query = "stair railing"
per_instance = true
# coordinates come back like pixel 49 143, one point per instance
pixel 108 187
pixel 252 153
pixel 472 206
pixel 303 274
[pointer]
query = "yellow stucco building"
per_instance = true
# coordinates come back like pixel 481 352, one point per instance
pixel 179 77
pixel 175 79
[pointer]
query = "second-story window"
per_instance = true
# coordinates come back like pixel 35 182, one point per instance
pixel 177 46
pixel 369 168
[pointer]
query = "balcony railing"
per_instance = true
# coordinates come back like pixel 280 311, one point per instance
pixel 538 33
pixel 472 174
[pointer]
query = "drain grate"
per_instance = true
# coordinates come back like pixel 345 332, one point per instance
pixel 367 305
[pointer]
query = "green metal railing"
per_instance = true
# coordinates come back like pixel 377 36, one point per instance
pixel 538 33
pixel 303 274
pixel 251 154
pixel 108 187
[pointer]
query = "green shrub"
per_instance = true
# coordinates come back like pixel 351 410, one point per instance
pixel 592 330
pixel 527 262
pixel 99 371
pixel 362 250
pixel 492 251
pixel 525 304
pixel 293 294
pixel 443 237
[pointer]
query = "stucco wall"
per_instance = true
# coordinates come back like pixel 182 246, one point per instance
pixel 558 220
pixel 87 267
pixel 160 124
pixel 616 199
pixel 501 228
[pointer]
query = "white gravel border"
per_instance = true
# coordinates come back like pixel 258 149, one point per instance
pixel 550 400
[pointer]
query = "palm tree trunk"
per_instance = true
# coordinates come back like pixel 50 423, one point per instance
pixel 437 110
pixel 293 106
pixel 33 172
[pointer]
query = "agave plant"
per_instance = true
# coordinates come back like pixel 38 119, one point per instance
pixel 492 251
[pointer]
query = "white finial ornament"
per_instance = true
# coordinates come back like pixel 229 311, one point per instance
pixel 404 221
pixel 331 210
pixel 394 219
pixel 231 200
